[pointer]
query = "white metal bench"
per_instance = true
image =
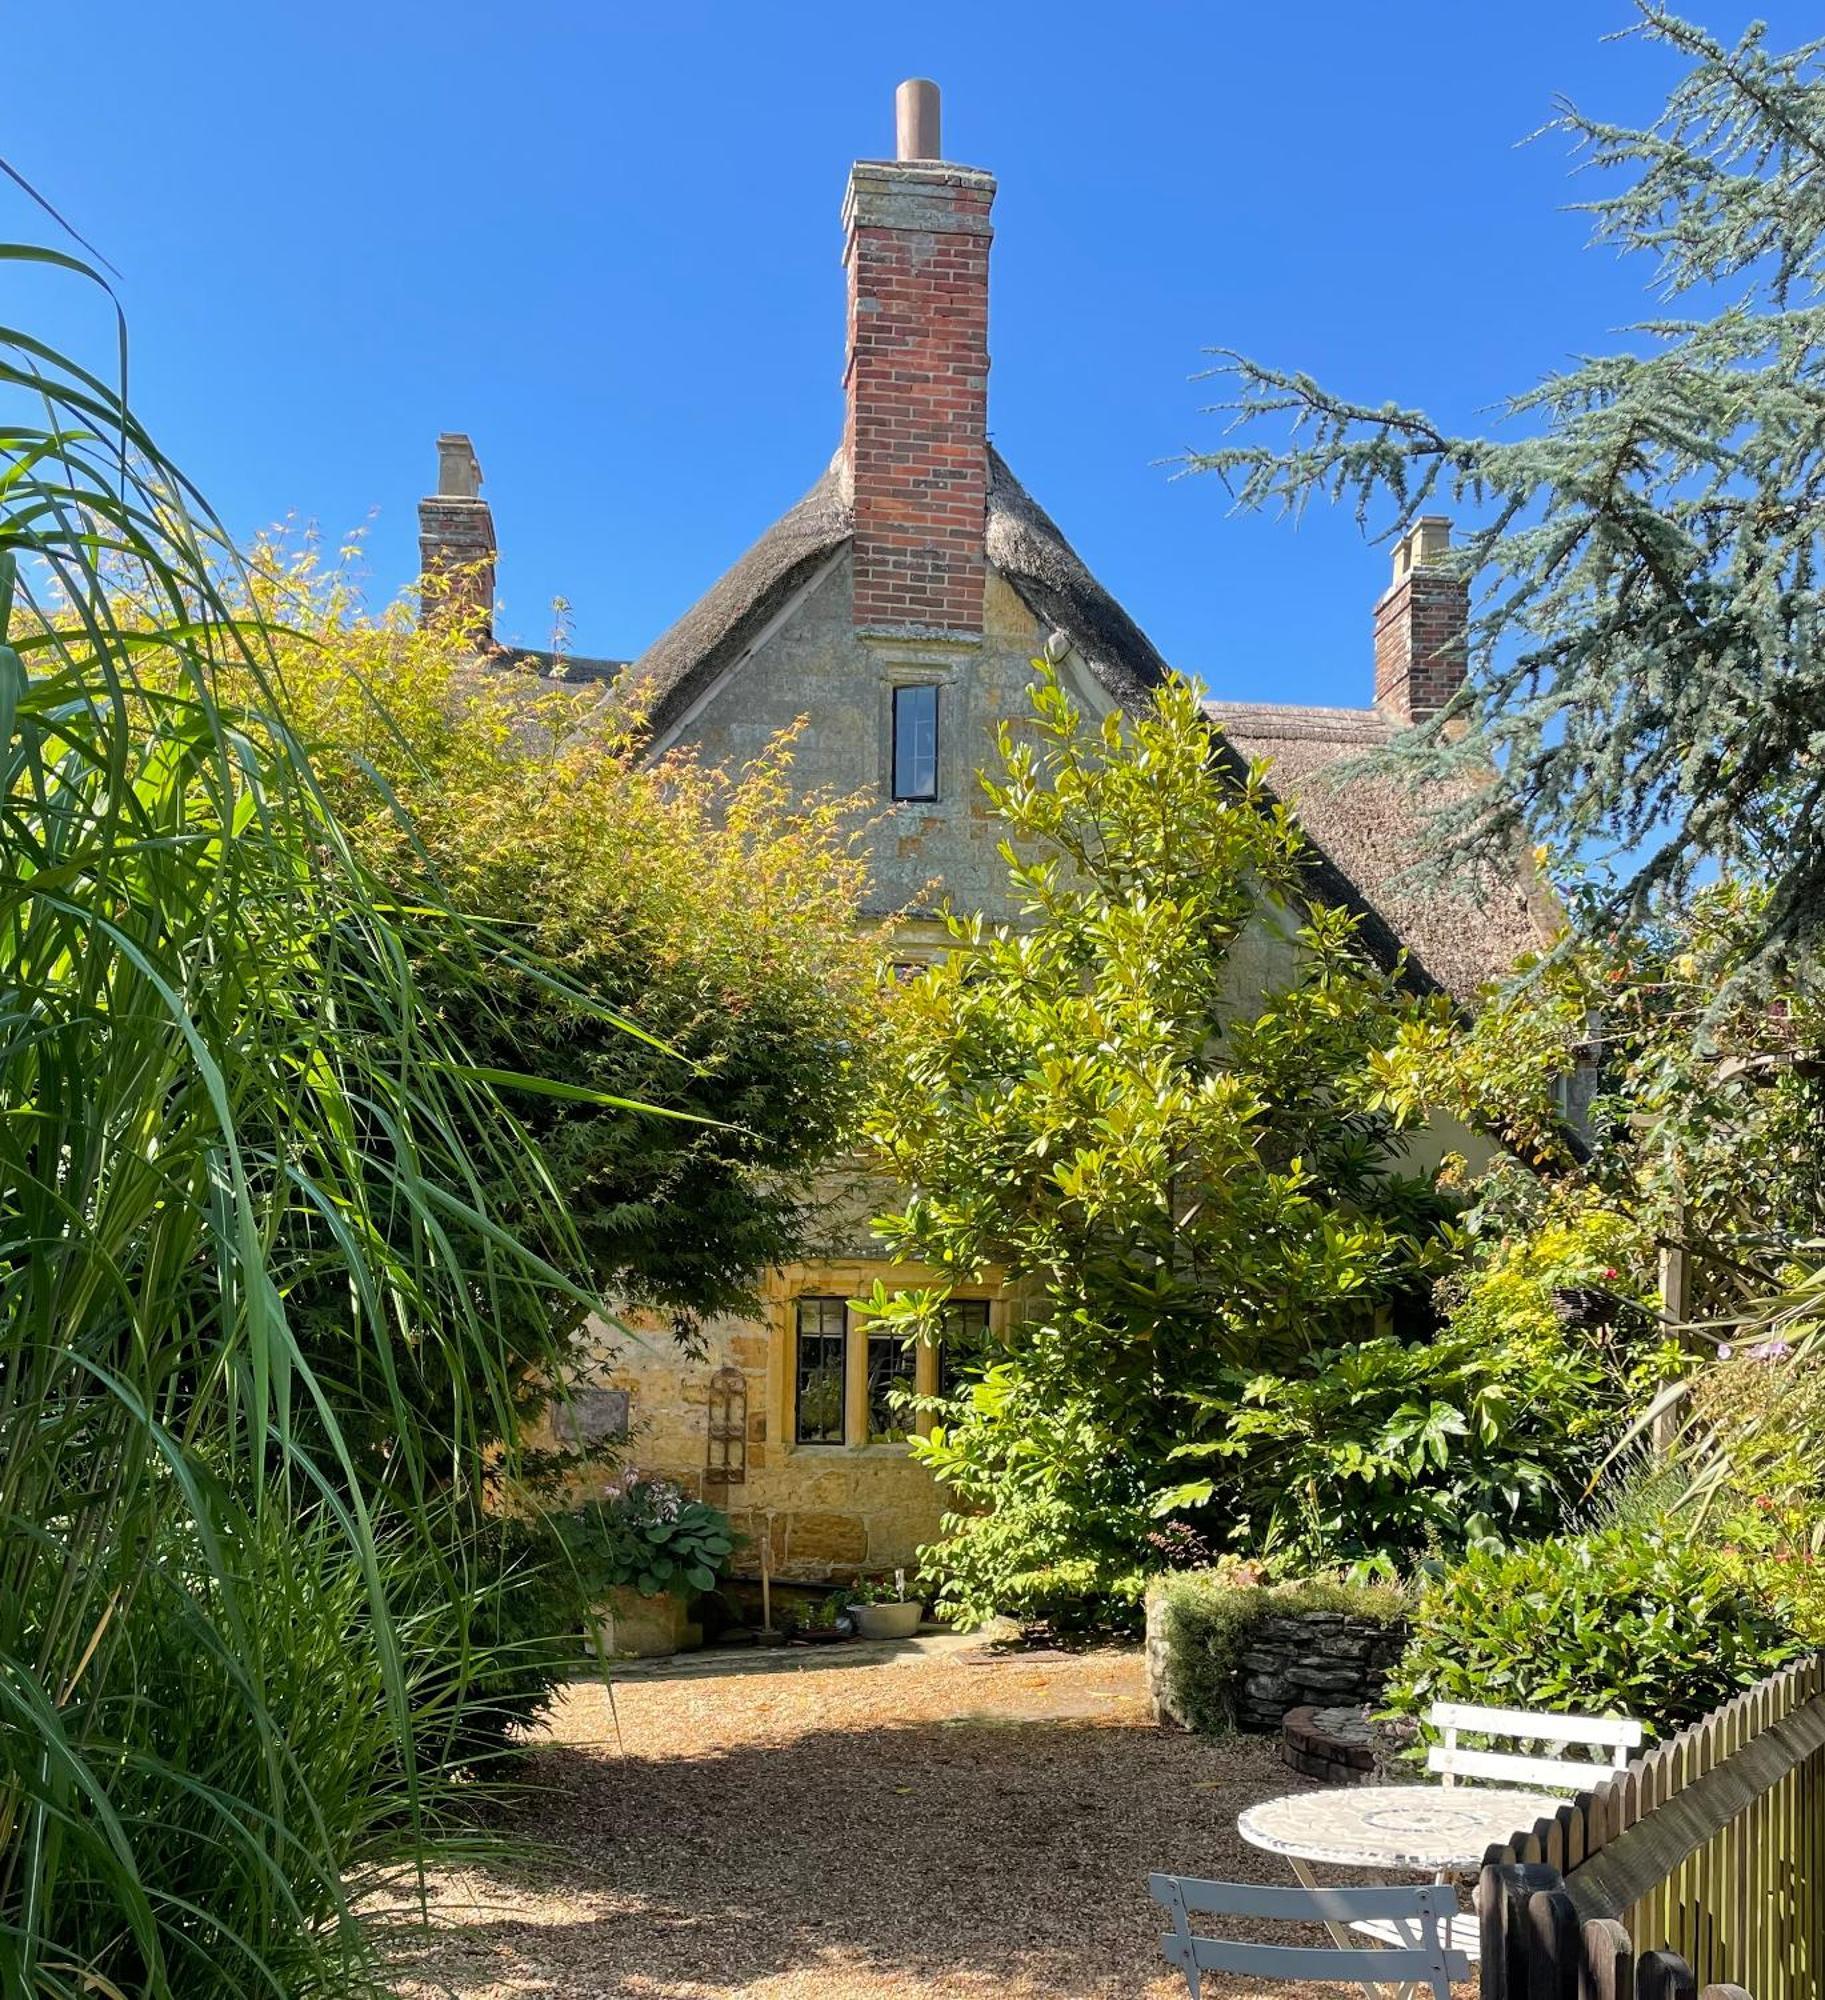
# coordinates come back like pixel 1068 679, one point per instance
pixel 1422 1914
pixel 1619 1734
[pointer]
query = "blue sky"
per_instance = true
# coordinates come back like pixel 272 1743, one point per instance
pixel 603 239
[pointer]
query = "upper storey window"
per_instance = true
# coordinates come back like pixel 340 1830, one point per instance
pixel 915 742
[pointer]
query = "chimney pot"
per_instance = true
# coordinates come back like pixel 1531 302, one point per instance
pixel 916 129
pixel 459 472
pixel 1424 545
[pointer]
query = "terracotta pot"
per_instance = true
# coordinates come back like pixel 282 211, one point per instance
pixel 888 1621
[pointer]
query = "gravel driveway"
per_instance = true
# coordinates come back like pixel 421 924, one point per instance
pixel 961 1824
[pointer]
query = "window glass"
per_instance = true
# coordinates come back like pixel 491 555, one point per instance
pixel 915 743
pixel 818 1371
pixel 890 1380
pixel 964 1347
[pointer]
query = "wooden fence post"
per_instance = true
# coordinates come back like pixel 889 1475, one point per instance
pixel 1664 1975
pixel 1503 1893
pixel 1609 1962
pixel 1555 1946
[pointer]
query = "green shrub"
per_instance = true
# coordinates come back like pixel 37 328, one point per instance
pixel 497 1630
pixel 1048 1558
pixel 1393 1447
pixel 647 1536
pixel 1623 1621
pixel 319 1742
pixel 1205 1619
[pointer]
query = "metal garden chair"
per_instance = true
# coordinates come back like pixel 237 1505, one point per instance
pixel 1425 1913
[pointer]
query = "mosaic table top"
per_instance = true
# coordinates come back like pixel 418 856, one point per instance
pixel 1394 1826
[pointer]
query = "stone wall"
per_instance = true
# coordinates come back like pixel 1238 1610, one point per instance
pixel 1325 1659
pixel 1322 1658
pixel 828 1512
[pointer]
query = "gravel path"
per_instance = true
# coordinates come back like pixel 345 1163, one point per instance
pixel 883 1829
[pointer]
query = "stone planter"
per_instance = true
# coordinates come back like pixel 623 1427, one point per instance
pixel 631 1627
pixel 1324 1659
pixel 1317 1659
pixel 887 1621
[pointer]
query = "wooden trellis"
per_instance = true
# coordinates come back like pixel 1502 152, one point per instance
pixel 726 1437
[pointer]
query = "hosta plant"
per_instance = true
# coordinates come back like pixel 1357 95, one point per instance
pixel 648 1536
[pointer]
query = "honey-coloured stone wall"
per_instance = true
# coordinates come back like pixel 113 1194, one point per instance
pixel 826 1512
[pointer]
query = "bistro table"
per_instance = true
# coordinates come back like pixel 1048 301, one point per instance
pixel 1444 1830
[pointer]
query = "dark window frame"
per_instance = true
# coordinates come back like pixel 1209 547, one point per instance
pixel 903 1367
pixel 947 1384
pixel 902 796
pixel 801 1374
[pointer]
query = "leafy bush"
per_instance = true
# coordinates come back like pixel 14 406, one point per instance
pixel 1191 1186
pixel 497 1628
pixel 645 1535
pixel 1391 1447
pixel 1205 1619
pixel 1395 1447
pixel 1038 1561
pixel 716 908
pixel 1624 1621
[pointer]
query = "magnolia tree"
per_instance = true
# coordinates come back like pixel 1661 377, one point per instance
pixel 1150 1108
pixel 1646 672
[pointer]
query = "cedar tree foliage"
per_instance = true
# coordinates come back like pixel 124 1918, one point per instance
pixel 1645 663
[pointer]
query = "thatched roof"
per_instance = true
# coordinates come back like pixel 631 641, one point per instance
pixel 683 661
pixel 1373 826
pixel 1364 831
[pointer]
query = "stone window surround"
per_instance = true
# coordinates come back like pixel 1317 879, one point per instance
pixel 849 1280
pixel 938 662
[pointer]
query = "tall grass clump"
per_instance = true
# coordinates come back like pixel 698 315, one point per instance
pixel 232 1144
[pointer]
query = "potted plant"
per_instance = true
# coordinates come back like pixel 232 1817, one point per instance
pixel 644 1552
pixel 882 1608
pixel 825 1622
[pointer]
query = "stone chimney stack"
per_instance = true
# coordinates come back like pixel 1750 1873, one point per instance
pixel 915 378
pixel 456 544
pixel 1421 626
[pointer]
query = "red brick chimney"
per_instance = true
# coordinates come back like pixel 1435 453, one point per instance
pixel 456 544
pixel 915 431
pixel 1421 625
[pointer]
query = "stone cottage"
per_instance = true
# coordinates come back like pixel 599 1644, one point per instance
pixel 900 605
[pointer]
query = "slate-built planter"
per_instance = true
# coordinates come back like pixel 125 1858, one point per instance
pixel 1222 1655
pixel 1321 1659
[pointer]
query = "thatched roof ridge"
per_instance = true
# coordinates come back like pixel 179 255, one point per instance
pixel 684 660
